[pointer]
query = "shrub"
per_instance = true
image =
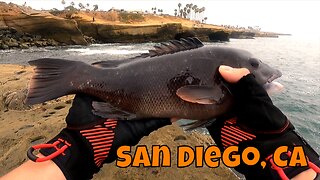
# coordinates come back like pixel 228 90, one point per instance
pixel 130 17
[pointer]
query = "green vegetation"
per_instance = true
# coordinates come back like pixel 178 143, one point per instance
pixel 130 17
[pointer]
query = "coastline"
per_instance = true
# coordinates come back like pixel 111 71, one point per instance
pixel 23 27
pixel 24 126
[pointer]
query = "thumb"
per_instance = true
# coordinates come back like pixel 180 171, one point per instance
pixel 232 75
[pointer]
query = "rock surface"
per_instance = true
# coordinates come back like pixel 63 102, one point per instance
pixel 20 129
pixel 15 100
pixel 40 24
pixel 23 27
pixel 10 38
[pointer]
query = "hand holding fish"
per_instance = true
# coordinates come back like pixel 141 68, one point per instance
pixel 259 124
pixel 232 75
pixel 176 79
pixel 92 141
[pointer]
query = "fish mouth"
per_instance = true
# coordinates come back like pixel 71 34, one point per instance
pixel 274 76
pixel 273 87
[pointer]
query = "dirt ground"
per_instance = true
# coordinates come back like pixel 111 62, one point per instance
pixel 22 126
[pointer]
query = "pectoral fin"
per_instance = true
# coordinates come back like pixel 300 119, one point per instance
pixel 106 110
pixel 200 94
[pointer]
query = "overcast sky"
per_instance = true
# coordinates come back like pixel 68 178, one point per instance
pixel 296 17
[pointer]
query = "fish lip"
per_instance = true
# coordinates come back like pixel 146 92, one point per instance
pixel 274 76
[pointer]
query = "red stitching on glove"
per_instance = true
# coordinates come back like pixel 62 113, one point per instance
pixel 231 134
pixel 101 138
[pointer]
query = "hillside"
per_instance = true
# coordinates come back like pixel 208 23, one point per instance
pixel 23 27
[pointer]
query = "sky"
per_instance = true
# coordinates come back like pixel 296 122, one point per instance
pixel 296 16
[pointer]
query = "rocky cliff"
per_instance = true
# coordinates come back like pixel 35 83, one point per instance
pixel 43 24
pixel 22 27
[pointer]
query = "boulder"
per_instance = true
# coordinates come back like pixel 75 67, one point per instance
pixel 46 26
pixel 12 43
pixel 24 45
pixel 4 46
pixel 26 38
pixel 15 100
pixel 219 36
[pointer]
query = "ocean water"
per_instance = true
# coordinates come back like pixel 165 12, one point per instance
pixel 297 58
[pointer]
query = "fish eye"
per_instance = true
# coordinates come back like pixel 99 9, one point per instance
pixel 254 62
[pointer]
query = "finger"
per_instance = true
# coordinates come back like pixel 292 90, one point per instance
pixel 232 75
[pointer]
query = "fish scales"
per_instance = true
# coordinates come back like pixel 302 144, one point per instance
pixel 183 83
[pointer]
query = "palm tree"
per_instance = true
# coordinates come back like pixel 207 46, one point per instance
pixel 188 11
pixel 190 7
pixel 63 2
pixel 196 11
pixel 179 5
pixel 181 12
pixel 72 4
pixel 187 7
pixel 160 11
pixel 81 6
pixel 95 7
pixel 184 14
pixel 205 19
pixel 154 10
pixel 87 7
pixel 195 7
pixel 201 12
pixel 175 12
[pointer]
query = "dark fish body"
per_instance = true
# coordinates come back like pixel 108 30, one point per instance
pixel 184 84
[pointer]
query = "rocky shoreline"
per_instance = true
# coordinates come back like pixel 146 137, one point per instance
pixel 23 126
pixel 23 28
pixel 10 38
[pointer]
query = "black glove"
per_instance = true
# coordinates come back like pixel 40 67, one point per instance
pixel 254 113
pixel 92 141
pixel 260 124
pixel 254 108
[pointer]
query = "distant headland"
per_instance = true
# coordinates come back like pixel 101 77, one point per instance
pixel 24 27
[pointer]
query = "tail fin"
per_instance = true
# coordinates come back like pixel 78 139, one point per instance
pixel 50 79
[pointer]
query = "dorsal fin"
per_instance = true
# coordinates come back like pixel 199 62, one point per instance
pixel 173 46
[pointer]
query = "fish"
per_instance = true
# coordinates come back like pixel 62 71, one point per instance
pixel 273 87
pixel 178 78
